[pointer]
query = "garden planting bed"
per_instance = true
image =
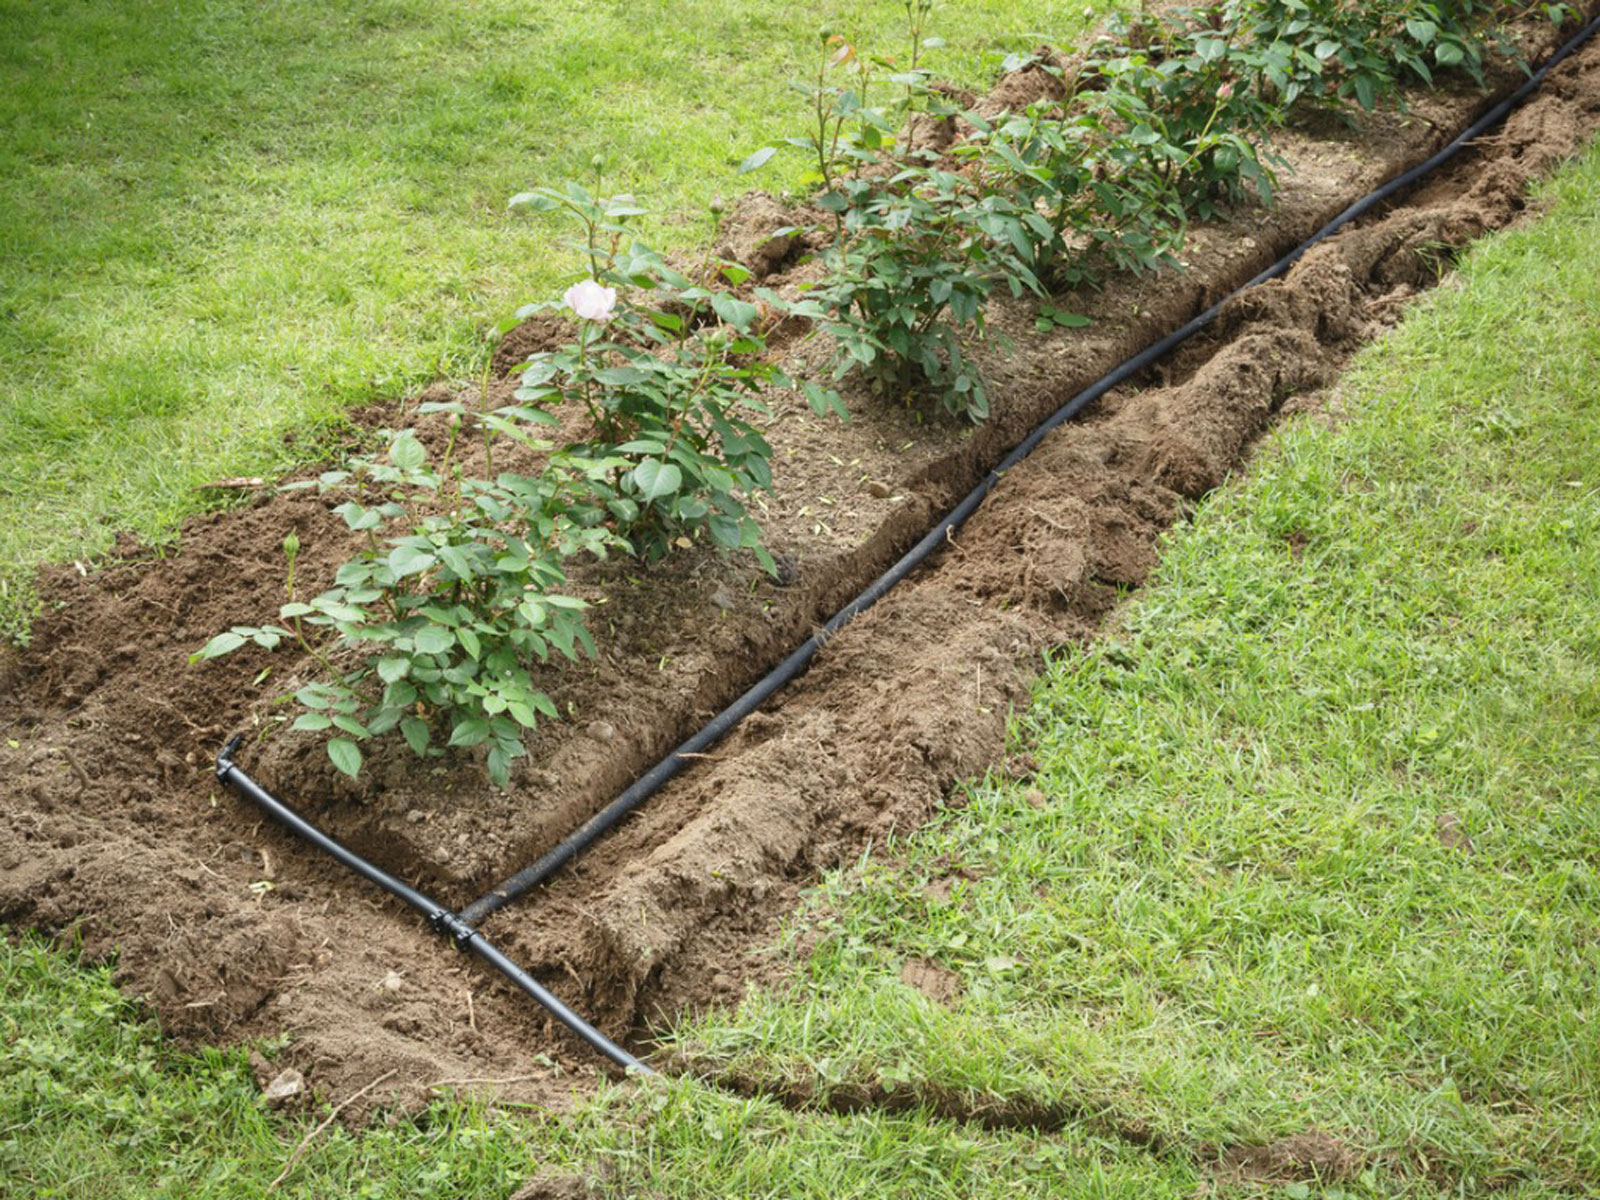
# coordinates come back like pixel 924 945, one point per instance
pixel 113 827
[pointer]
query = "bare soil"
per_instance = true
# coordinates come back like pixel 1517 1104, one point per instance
pixel 113 831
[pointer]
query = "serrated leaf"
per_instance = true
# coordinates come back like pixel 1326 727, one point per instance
pixel 415 731
pixel 433 640
pixel 499 765
pixel 740 314
pixel 311 722
pixel 655 479
pixel 621 376
pixel 824 400
pixel 1069 320
pixel 345 755
pixel 406 453
pixel 338 610
pixel 393 667
pixel 358 517
pixel 223 643
pixel 471 731
pixel 757 160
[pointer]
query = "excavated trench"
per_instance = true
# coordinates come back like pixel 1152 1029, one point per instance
pixel 113 828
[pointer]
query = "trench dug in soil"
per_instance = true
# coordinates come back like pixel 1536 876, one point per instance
pixel 113 828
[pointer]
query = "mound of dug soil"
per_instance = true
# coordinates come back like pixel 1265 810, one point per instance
pixel 113 827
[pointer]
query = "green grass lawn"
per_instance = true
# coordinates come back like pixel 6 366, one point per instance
pixel 1234 906
pixel 230 221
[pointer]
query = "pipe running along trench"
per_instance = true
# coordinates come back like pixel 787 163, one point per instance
pixel 460 927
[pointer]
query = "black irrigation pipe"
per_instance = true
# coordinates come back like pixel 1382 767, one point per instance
pixel 439 918
pixel 652 780
pixel 460 927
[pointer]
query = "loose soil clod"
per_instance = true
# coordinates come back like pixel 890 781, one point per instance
pixel 145 857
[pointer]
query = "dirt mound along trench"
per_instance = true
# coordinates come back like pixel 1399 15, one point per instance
pixel 111 823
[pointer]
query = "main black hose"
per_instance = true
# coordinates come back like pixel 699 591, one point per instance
pixel 440 919
pixel 652 780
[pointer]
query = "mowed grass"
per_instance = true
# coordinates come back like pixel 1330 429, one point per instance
pixel 226 222
pixel 1314 844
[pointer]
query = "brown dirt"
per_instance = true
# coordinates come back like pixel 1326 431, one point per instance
pixel 1312 1156
pixel 937 983
pixel 112 825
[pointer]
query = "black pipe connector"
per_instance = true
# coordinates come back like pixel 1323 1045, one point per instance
pixel 439 918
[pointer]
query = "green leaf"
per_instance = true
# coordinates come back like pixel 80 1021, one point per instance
pixel 393 667
pixel 358 517
pixel 1069 320
pixel 621 376
pixel 499 764
pixel 1423 31
pixel 406 453
pixel 725 531
pixel 469 641
pixel 401 694
pixel 380 721
pixel 311 722
pixel 345 755
pixel 533 202
pixel 351 726
pixel 433 640
pixel 338 610
pixel 457 559
pixel 824 400
pixel 740 314
pixel 757 160
pixel 470 731
pixel 415 731
pixel 223 643
pixel 655 479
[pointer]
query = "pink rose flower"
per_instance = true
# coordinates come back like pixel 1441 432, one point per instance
pixel 1225 92
pixel 591 301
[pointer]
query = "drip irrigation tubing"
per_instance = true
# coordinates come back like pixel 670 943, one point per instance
pixel 652 780
pixel 439 918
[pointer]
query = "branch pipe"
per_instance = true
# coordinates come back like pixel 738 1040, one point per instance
pixel 439 918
